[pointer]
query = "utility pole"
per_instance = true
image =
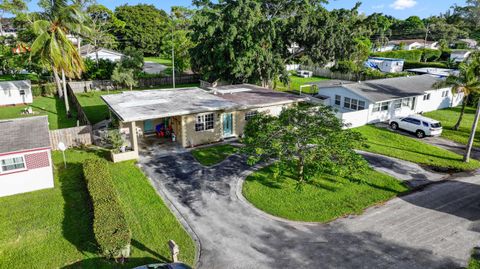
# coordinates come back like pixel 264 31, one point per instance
pixel 425 41
pixel 173 52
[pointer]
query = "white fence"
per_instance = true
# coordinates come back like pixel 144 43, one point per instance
pixel 355 118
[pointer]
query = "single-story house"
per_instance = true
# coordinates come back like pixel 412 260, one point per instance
pixel 360 103
pixel 25 155
pixel 471 43
pixel 15 92
pixel 408 44
pixel 386 65
pixel 89 51
pixel 196 116
pixel 460 55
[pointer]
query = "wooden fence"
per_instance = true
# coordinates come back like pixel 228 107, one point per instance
pixel 71 137
pixel 72 98
pixel 327 73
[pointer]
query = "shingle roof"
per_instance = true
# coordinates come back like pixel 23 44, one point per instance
pixel 24 134
pixel 393 88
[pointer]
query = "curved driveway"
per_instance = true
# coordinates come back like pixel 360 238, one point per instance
pixel 434 228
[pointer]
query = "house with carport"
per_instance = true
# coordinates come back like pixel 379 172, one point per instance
pixel 361 103
pixel 195 116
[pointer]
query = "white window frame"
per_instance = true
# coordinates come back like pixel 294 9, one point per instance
pixel 15 163
pixel 202 121
pixel 426 97
pixel 353 104
pixel 377 107
pixel 397 104
pixel 250 114
pixel 339 100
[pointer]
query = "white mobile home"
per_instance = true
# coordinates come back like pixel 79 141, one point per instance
pixel 386 65
pixel 373 101
pixel 15 92
pixel 459 55
pixel 89 51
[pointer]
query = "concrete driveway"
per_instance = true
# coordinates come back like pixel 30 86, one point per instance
pixel 434 228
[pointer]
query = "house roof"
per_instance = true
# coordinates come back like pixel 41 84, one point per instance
pixel 251 96
pixel 24 134
pixel 15 85
pixel 330 83
pixel 386 59
pixel 393 88
pixel 89 48
pixel 410 41
pixel 153 104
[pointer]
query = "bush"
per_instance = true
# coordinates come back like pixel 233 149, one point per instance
pixel 407 55
pixel 36 90
pixel 110 226
pixel 431 55
pixel 47 89
pixel 103 70
pixel 410 65
pixel 346 67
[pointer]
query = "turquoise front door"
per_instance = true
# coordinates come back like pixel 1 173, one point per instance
pixel 148 126
pixel 227 124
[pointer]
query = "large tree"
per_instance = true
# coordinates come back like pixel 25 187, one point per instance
pixel 11 7
pixel 145 27
pixel 310 139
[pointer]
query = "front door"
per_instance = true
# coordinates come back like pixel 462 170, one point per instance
pixel 227 124
pixel 148 126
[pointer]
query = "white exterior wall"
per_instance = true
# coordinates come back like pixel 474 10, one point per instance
pixel 106 55
pixel 459 57
pixel 26 180
pixel 10 95
pixel 437 101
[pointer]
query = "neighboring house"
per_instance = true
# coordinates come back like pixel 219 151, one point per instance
pixel 89 51
pixel 471 43
pixel 15 92
pixel 196 116
pixel 460 55
pixel 408 44
pixel 373 101
pixel 25 155
pixel 386 65
pixel 440 72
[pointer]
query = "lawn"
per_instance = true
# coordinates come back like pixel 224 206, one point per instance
pixel 324 199
pixel 215 154
pixel 389 143
pixel 52 228
pixel 159 60
pixel 51 106
pixel 474 262
pixel 448 117
pixel 296 82
pixel 96 110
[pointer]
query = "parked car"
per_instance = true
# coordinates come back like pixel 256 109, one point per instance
pixel 419 125
pixel 175 265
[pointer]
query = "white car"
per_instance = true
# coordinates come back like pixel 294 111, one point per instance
pixel 419 125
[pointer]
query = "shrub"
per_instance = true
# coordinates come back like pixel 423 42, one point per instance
pixel 431 55
pixel 411 65
pixel 46 89
pixel 36 90
pixel 407 55
pixel 110 226
pixel 102 70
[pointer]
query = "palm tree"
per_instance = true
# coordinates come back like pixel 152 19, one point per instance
pixel 52 46
pixel 465 83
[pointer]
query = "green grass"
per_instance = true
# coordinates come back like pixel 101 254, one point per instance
pixel 324 199
pixel 296 82
pixel 448 117
pixel 96 110
pixel 389 143
pixel 32 77
pixel 215 154
pixel 52 228
pixel 51 106
pixel 474 262
pixel 159 60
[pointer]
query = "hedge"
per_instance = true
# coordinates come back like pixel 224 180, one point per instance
pixel 110 226
pixel 411 65
pixel 46 89
pixel 407 55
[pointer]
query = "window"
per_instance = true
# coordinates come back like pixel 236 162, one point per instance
pixel 13 164
pixel 22 92
pixel 426 97
pixel 354 104
pixel 204 122
pixel 397 104
pixel 381 106
pixel 250 114
pixel 425 124
pixel 407 102
pixel 412 121
pixel 361 105
pixel 385 106
pixel 346 102
pixel 444 93
pixel 338 100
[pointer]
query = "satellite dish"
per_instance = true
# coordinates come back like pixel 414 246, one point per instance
pixel 61 146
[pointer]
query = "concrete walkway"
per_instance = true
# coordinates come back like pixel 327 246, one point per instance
pixel 434 228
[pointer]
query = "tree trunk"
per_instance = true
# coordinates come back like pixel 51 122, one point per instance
pixel 301 171
pixel 65 94
pixel 472 134
pixel 57 81
pixel 462 112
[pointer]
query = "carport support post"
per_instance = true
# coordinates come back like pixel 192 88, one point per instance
pixel 133 136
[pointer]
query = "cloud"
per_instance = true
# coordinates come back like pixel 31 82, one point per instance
pixel 403 4
pixel 378 6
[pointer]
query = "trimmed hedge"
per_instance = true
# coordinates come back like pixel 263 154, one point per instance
pixel 110 226
pixel 411 65
pixel 46 89
pixel 407 55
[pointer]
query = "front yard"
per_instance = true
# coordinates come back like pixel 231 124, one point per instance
pixel 389 143
pixel 324 199
pixel 52 228
pixel 448 117
pixel 51 106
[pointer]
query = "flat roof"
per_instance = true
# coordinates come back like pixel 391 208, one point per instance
pixel 24 134
pixel 152 104
pixel 386 59
pixel 251 96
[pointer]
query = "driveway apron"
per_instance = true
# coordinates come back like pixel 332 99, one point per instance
pixel 434 228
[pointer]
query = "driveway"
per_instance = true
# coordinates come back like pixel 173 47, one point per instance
pixel 433 228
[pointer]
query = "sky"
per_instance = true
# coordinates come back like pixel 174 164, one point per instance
pixel 398 8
